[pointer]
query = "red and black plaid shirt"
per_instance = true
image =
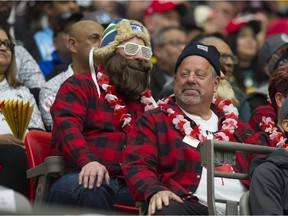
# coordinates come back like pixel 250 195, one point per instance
pixel 256 118
pixel 85 128
pixel 156 159
pixel 259 112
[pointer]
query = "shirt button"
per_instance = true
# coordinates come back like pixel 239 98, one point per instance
pixel 120 164
pixel 198 176
pixel 124 146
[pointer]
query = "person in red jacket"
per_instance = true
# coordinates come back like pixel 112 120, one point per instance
pixel 161 163
pixel 268 116
pixel 94 112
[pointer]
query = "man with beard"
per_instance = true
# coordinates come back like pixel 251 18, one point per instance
pixel 94 112
pixel 161 163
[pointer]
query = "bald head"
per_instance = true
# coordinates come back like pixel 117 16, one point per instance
pixel 221 45
pixel 84 35
pixel 86 27
pixel 226 55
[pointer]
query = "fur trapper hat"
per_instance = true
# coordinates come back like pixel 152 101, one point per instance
pixel 117 32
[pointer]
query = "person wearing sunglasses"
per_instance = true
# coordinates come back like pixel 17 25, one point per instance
pixel 92 114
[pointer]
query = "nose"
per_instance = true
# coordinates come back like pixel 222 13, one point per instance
pixel 191 78
pixel 229 61
pixel 2 46
pixel 139 55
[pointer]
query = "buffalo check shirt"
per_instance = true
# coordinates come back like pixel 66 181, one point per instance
pixel 157 159
pixel 259 113
pixel 85 128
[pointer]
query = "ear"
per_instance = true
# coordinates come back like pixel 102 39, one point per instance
pixel 279 98
pixel 72 44
pixel 284 125
pixel 216 82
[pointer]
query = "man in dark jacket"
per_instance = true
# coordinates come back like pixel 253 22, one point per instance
pixel 269 184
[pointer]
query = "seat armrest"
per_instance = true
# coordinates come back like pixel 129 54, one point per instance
pixel 52 165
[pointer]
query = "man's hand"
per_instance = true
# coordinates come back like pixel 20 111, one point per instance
pixel 159 198
pixel 10 139
pixel 89 173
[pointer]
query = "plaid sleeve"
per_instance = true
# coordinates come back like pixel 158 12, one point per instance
pixel 141 160
pixel 157 159
pixel 69 112
pixel 257 115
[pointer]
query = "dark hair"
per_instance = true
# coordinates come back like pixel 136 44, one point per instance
pixel 11 71
pixel 278 84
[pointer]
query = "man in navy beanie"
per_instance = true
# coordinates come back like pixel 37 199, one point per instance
pixel 161 162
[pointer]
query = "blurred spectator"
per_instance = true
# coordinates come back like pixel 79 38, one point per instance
pixel 227 62
pixel 60 26
pixel 188 19
pixel 159 14
pixel 83 36
pixel 202 17
pixel 223 12
pixel 167 45
pixel 272 55
pixel 277 26
pixel 242 37
pixel 110 7
pixel 44 37
pixel 99 16
pixel 134 9
pixel 28 71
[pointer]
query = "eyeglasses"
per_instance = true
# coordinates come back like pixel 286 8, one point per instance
pixel 174 43
pixel 8 44
pixel 225 57
pixel 132 49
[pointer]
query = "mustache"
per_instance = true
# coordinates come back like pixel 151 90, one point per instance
pixel 130 77
pixel 191 87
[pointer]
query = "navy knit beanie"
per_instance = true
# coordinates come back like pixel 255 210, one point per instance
pixel 208 52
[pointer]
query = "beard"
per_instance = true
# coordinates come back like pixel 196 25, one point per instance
pixel 130 77
pixel 190 99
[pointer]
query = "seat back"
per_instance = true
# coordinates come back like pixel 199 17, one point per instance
pixel 37 145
